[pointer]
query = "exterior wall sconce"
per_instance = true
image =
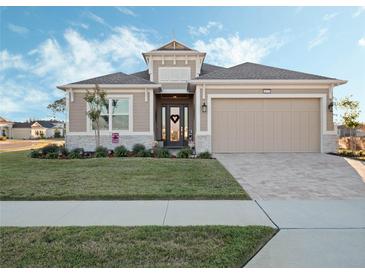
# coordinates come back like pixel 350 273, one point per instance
pixel 204 107
pixel 266 91
pixel 330 107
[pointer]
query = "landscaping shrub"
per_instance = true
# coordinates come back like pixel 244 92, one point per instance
pixel 101 152
pixel 144 153
pixel 52 155
pixel 362 153
pixel 63 151
pixel 138 147
pixel 121 151
pixel 205 155
pixel 162 152
pixel 35 154
pixel 50 149
pixel 184 153
pixel 76 153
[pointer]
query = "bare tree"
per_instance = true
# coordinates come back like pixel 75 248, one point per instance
pixel 350 116
pixel 96 100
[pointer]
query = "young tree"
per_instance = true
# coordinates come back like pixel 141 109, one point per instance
pixel 350 116
pixel 57 106
pixel 96 100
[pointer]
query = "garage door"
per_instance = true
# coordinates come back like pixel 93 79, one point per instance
pixel 265 125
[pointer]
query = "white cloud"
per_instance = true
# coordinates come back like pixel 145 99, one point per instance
pixel 359 11
pixel 362 42
pixel 11 61
pixel 82 58
pixel 204 30
pixel 96 18
pixel 126 11
pixel 234 50
pixel 329 16
pixel 21 97
pixel 319 39
pixel 18 29
pixel 80 25
pixel 56 62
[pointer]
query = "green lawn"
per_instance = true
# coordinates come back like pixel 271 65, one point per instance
pixel 24 178
pixel 148 246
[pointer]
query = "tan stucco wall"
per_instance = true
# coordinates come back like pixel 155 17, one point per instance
pixel 78 117
pixel 170 63
pixel 203 116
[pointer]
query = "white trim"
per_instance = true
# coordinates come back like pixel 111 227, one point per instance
pixel 107 133
pixel 274 86
pixel 174 90
pixel 111 86
pixel 330 92
pixel 323 108
pixel 236 81
pixel 151 112
pixel 197 110
pixel 67 113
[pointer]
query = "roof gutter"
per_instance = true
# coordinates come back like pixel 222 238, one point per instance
pixel 334 82
pixel 109 86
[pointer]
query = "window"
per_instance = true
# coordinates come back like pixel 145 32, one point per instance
pixel 115 115
pixel 174 74
pixel 104 119
pixel 120 114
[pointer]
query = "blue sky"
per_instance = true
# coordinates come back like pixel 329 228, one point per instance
pixel 42 47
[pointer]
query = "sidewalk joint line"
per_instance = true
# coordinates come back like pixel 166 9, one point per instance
pixel 267 215
pixel 167 206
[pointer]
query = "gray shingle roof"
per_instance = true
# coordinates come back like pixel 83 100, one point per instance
pixel 142 74
pixel 207 68
pixel 118 78
pixel 43 123
pixel 251 71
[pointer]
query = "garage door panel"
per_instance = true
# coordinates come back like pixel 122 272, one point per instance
pixel 265 125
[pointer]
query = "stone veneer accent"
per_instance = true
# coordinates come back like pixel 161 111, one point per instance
pixel 329 142
pixel 87 142
pixel 202 143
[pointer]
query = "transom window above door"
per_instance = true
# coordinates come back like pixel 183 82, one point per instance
pixel 115 115
pixel 174 74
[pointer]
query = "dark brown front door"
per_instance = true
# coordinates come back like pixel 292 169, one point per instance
pixel 175 125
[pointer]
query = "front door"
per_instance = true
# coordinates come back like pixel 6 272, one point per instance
pixel 175 125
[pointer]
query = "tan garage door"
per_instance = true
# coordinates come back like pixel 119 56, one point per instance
pixel 265 125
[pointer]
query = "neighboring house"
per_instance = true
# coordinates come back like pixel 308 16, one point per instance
pixel 343 131
pixel 5 127
pixel 179 98
pixel 37 129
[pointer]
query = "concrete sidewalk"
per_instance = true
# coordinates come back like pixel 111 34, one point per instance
pixel 131 213
pixel 314 234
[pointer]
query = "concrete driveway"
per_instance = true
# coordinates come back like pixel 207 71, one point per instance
pixel 294 175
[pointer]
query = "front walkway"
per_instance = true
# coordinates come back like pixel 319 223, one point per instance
pixel 131 213
pixel 306 176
